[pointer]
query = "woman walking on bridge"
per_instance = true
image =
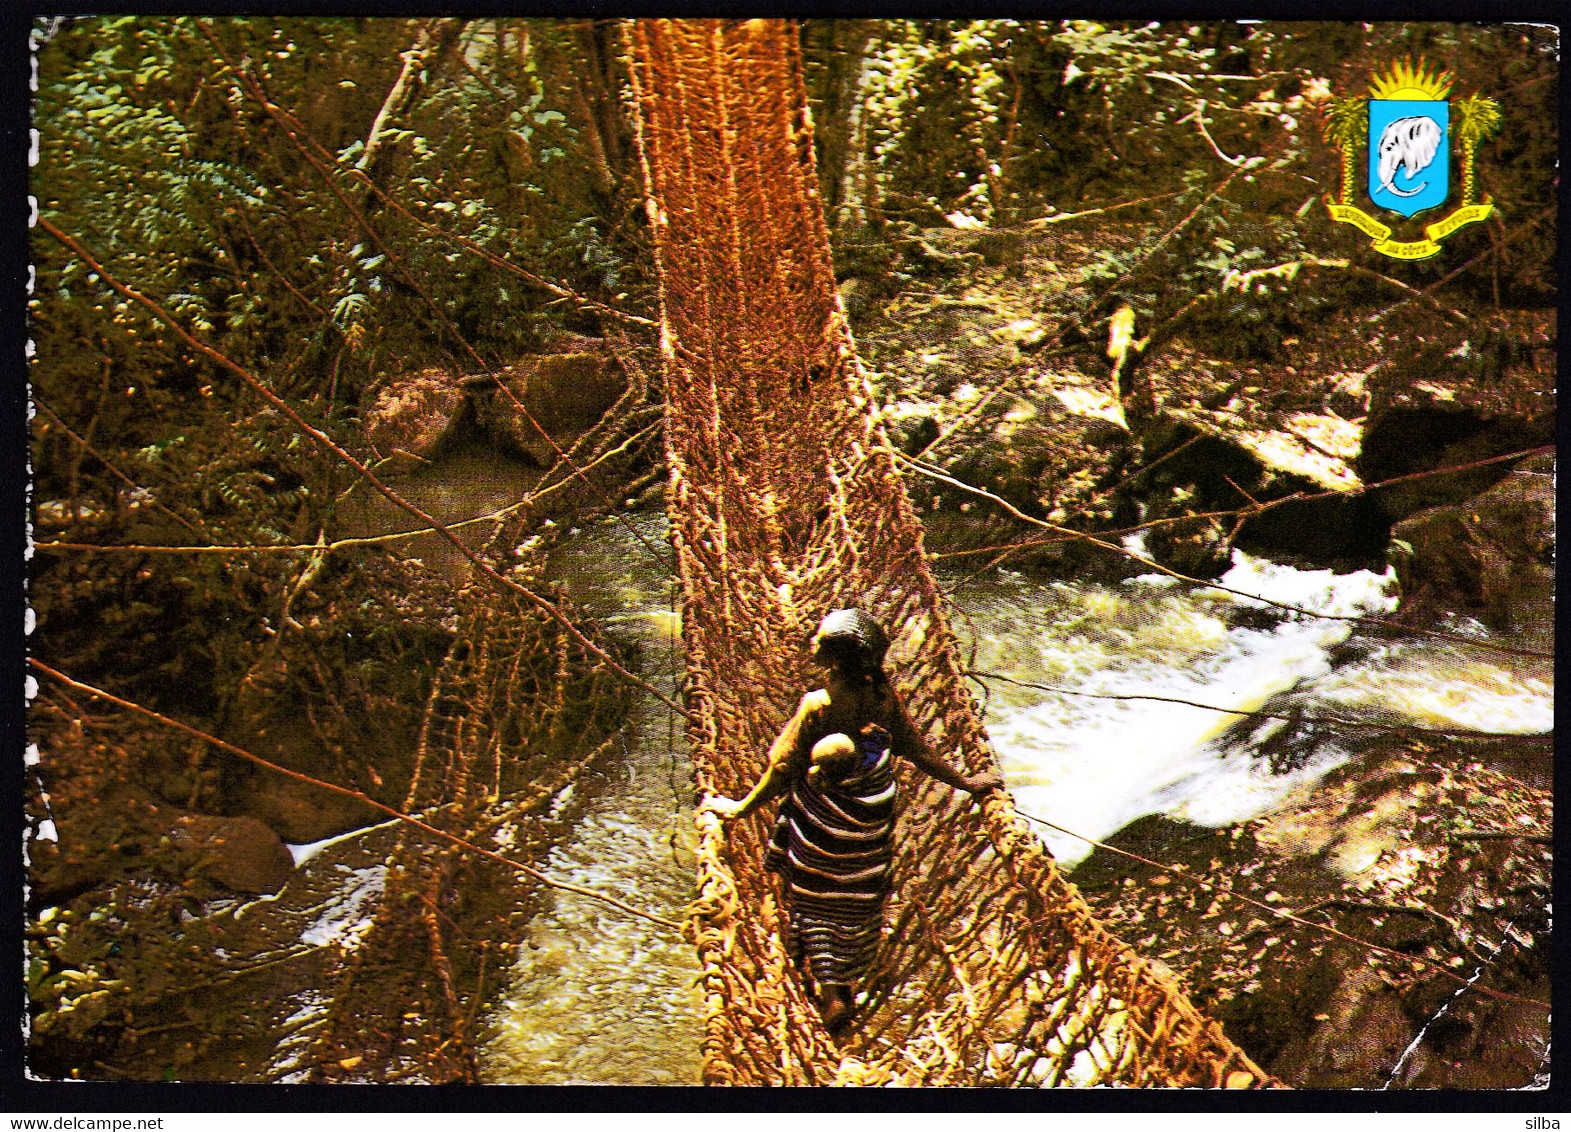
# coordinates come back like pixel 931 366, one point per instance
pixel 833 840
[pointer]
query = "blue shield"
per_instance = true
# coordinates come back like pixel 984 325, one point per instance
pixel 1409 154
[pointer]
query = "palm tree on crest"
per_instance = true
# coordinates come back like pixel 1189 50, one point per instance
pixel 1477 118
pixel 1347 121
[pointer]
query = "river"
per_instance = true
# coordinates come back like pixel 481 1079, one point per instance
pixel 601 997
pixel 598 996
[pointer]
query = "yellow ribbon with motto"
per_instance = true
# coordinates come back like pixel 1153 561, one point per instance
pixel 1410 249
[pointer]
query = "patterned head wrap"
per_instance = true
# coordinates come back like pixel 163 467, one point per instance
pixel 851 635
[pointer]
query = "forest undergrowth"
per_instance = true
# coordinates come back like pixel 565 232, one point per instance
pixel 1090 269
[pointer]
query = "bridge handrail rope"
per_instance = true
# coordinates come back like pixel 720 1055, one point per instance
pixel 419 822
pixel 1059 534
pixel 1243 512
pixel 348 792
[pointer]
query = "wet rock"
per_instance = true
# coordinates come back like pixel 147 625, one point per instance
pixel 1372 850
pixel 301 813
pixel 1491 556
pixel 1278 430
pixel 1194 547
pixel 413 415
pixel 1366 1029
pixel 565 394
pixel 1038 459
pixel 1441 410
pixel 1199 467
pixel 1232 461
pixel 242 854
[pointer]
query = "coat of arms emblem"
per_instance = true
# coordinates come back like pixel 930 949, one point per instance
pixel 1409 127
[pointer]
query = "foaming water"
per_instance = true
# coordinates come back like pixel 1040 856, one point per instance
pixel 1462 687
pixel 598 996
pixel 1093 765
pixel 601 997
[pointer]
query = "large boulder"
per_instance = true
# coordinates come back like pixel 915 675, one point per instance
pixel 413 415
pixel 1266 431
pixel 241 854
pixel 302 813
pixel 1448 409
pixel 1372 850
pixel 1054 454
pixel 122 829
pixel 1491 556
pixel 1223 459
pixel 565 394
pixel 565 390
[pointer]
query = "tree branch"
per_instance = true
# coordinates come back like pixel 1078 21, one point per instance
pixel 434 38
pixel 1082 536
pixel 327 442
pixel 348 792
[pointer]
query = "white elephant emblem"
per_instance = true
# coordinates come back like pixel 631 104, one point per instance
pixel 1408 143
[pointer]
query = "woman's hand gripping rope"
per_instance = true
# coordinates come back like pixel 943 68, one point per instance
pixel 726 809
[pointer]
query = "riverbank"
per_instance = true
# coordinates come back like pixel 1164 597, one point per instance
pixel 1418 882
pixel 1340 828
pixel 154 832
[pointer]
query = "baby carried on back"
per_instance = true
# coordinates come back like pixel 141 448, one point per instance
pixel 833 841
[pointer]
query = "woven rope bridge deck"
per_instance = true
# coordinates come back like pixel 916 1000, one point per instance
pixel 785 502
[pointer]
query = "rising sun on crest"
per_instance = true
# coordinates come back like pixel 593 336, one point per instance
pixel 1407 83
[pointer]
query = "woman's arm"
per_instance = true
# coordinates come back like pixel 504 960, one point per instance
pixel 909 742
pixel 787 756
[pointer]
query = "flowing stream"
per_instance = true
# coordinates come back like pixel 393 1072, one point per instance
pixel 1093 765
pixel 597 996
pixel 601 997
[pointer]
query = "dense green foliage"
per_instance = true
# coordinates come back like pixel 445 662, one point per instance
pixel 337 203
pixel 252 225
pixel 167 166
pixel 996 122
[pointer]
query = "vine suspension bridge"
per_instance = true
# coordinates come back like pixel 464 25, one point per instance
pixel 785 499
